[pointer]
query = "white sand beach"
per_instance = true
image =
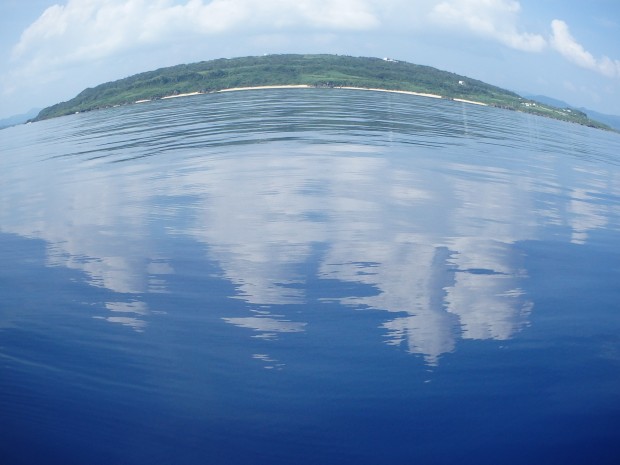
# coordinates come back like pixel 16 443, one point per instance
pixel 408 92
pixel 294 86
pixel 305 86
pixel 182 95
pixel 470 101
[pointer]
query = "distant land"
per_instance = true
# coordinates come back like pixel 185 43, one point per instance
pixel 19 119
pixel 329 71
pixel 610 120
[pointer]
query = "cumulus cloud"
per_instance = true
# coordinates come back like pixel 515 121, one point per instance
pixel 564 43
pixel 90 29
pixel 83 31
pixel 86 30
pixel 496 19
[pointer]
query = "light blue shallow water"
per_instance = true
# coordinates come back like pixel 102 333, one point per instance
pixel 309 276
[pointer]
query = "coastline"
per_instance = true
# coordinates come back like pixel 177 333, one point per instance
pixel 306 86
pixel 470 101
pixel 407 92
pixel 182 95
pixel 284 86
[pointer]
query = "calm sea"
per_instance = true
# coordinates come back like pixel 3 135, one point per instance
pixel 309 277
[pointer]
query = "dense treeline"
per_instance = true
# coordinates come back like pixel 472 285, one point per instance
pixel 313 70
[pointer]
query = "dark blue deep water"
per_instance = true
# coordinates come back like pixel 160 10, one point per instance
pixel 309 277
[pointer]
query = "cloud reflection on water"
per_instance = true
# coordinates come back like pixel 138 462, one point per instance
pixel 432 244
pixel 436 251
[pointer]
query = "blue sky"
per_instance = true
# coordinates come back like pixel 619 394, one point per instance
pixel 566 49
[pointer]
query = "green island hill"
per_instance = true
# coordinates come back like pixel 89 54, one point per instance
pixel 330 71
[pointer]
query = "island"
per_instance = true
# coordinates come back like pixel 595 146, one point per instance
pixel 295 70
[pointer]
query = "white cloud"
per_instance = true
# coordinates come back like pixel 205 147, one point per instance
pixel 83 30
pixel 496 19
pixel 80 32
pixel 563 42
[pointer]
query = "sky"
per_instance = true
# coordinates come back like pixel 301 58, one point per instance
pixel 565 49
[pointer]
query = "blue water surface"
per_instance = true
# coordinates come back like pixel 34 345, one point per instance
pixel 313 276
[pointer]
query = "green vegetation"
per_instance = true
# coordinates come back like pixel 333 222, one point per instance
pixel 312 70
